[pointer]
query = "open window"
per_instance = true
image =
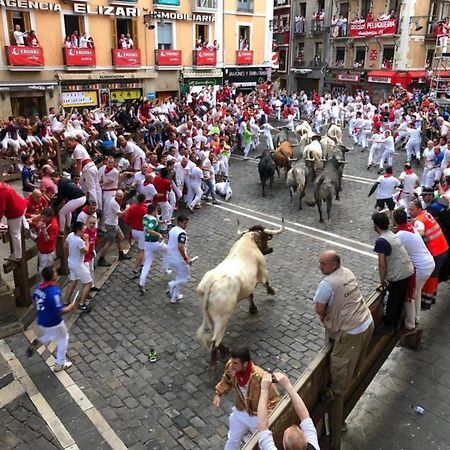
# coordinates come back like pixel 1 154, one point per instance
pixel 73 23
pixel 244 37
pixel 302 9
pixel 165 35
pixel 360 56
pixel 22 19
pixel 202 33
pixel 388 57
pixel 344 9
pixel 366 6
pixel 340 57
pixel 124 27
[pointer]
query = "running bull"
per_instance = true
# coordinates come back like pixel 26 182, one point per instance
pixel 233 280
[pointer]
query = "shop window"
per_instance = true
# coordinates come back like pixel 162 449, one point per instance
pixel 388 57
pixel 73 23
pixel 202 33
pixel 244 38
pixel 165 35
pixel 340 57
pixel 124 27
pixel 22 19
pixel 360 57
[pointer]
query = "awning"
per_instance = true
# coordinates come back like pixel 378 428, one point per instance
pixel 389 77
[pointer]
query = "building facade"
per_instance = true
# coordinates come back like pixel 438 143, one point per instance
pixel 165 58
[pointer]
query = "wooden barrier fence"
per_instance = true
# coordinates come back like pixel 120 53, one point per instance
pixel 329 416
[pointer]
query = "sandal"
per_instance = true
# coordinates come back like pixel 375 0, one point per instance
pixel 152 356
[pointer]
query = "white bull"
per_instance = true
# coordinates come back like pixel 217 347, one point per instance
pixel 328 147
pixel 313 151
pixel 304 133
pixel 335 133
pixel 233 280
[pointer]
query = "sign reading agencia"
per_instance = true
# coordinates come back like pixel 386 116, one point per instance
pixel 102 10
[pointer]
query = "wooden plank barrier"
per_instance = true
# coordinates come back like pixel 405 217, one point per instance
pixel 329 416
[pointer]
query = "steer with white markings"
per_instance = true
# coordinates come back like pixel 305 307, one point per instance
pixel 233 280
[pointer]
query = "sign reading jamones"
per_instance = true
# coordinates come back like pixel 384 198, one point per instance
pixel 363 28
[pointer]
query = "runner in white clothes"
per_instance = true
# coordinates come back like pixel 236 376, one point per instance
pixel 388 153
pixel 385 186
pixel 376 149
pixel 409 182
pixel 413 144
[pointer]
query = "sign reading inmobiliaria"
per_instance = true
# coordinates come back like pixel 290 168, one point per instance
pixel 79 56
pixel 25 56
pixel 126 57
pixel 169 57
pixel 362 28
pixel 206 57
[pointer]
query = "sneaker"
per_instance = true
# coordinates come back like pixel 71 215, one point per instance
pixel 31 348
pixel 103 263
pixel 169 291
pixel 228 196
pixel 124 257
pixel 141 289
pixel 215 202
pixel 65 366
pixel 190 208
pixel 135 275
pixel 95 289
pixel 84 308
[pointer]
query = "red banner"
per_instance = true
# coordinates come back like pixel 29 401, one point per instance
pixel 168 57
pixel 362 28
pixel 244 57
pixel 79 56
pixel 205 57
pixel 130 57
pixel 25 56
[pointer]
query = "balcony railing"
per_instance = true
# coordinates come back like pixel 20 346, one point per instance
pixel 25 56
pixel 245 6
pixel 128 57
pixel 301 64
pixel 244 57
pixel 317 26
pixel 167 58
pixel 204 6
pixel 79 57
pixel 204 58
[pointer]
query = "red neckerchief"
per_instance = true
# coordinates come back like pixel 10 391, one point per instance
pixel 46 284
pixel 408 171
pixel 147 182
pixel 85 210
pixel 243 376
pixel 387 175
pixel 108 169
pixel 405 227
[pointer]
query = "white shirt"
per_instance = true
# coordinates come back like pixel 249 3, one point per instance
pixel 386 186
pixel 111 212
pixel 75 244
pixel 83 217
pixel 148 190
pixel 19 37
pixel 84 42
pixel 196 177
pixel 309 430
pixel 420 256
pixel 415 136
pixel 409 181
pixel 108 181
pixel 79 152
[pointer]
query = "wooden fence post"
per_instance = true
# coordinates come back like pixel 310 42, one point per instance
pixel 336 422
pixel 21 276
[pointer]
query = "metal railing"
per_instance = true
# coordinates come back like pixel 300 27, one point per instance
pixel 204 5
pixel 245 5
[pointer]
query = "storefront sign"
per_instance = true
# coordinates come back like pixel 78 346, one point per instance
pixel 121 11
pixel 169 15
pixel 202 81
pixel 383 80
pixel 362 28
pixel 126 57
pixel 151 95
pixel 205 57
pixel 25 56
pixel 79 99
pixel 25 4
pixel 168 57
pixel 167 2
pixel 120 95
pixel 347 77
pixel 244 57
pixel 79 56
pixel 245 77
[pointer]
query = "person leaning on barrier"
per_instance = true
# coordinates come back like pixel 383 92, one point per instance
pixel 347 320
pixel 296 437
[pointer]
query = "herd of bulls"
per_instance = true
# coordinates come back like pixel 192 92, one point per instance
pixel 321 162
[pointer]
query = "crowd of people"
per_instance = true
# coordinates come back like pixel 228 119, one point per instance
pixel 132 168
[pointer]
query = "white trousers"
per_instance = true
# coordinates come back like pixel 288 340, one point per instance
pixel 65 213
pixel 46 260
pixel 182 275
pixel 166 213
pixel 57 334
pixel 198 196
pixel 14 144
pixel 387 155
pixel 443 41
pixel 189 192
pixel 90 183
pixel 150 248
pixel 374 154
pixel 15 232
pixel 428 177
pixel 91 267
pixel 269 142
pixel 138 236
pixel 106 197
pixel 412 148
pixel 172 198
pixel 363 138
pixel 240 424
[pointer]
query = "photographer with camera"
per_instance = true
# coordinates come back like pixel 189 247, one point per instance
pixel 301 437
pixel 245 378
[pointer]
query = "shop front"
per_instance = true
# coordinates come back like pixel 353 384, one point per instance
pixel 350 80
pixel 195 81
pixel 381 82
pixel 245 78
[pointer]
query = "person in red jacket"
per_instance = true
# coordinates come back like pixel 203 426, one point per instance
pixel 134 218
pixel 13 207
pixel 47 229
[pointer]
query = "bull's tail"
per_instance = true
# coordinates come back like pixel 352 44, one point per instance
pixel 203 336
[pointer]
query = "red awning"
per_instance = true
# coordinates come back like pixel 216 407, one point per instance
pixel 418 73
pixel 389 77
pixel 381 73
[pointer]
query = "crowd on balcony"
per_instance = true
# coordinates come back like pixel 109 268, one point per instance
pixel 339 26
pixel 388 15
pixel 244 44
pixel 25 38
pixel 299 24
pixel 206 45
pixel 317 20
pixel 125 41
pixel 76 41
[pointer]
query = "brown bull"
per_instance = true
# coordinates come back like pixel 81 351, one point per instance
pixel 283 157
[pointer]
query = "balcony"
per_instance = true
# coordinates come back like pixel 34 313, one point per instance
pixel 244 57
pixel 166 4
pixel 79 57
pixel 317 26
pixel 127 58
pixel 204 58
pixel 245 6
pixel 281 4
pixel 27 58
pixel 167 58
pixel 299 64
pixel 204 6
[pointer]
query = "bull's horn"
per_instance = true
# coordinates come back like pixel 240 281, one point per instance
pixel 240 232
pixel 323 159
pixel 309 159
pixel 293 159
pixel 275 232
pixel 343 162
